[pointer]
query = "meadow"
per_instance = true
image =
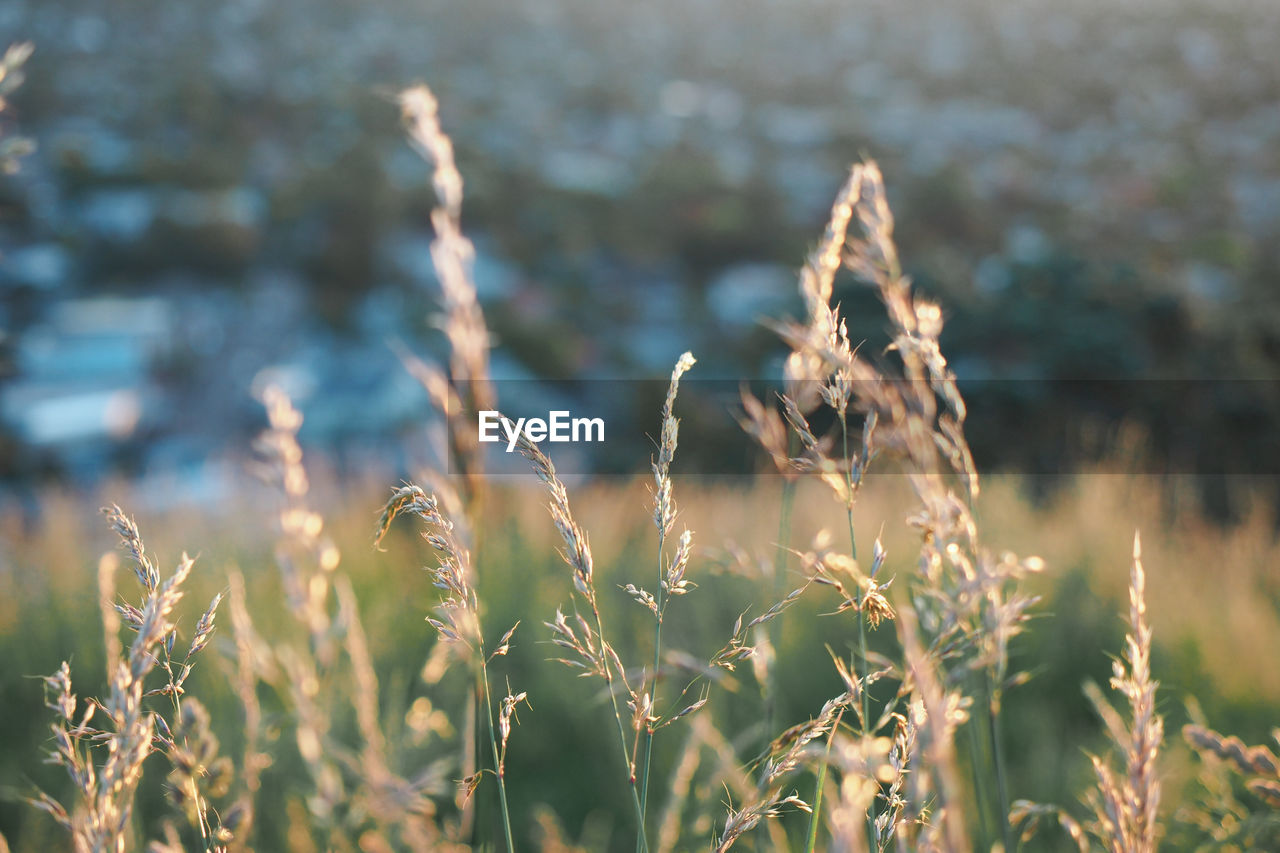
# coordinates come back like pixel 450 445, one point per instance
pixel 1212 595
pixel 869 647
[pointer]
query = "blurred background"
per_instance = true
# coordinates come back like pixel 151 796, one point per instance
pixel 224 193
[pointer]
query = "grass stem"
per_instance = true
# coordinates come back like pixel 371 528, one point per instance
pixel 493 748
pixel 622 736
pixel 997 757
pixel 811 838
pixel 862 667
pixel 977 757
pixel 657 661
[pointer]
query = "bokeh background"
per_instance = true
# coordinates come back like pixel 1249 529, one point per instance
pixel 1093 189
pixel 222 195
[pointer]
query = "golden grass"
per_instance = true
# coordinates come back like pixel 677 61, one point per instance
pixel 1208 587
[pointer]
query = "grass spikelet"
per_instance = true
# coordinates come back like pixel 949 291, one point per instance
pixel 459 622
pixel 603 659
pixel 124 725
pixel 1126 806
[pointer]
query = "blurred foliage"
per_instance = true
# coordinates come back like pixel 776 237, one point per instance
pixel 1145 309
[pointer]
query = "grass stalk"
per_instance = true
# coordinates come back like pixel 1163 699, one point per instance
pixel 641 837
pixel 657 662
pixel 993 735
pixel 811 838
pixel 493 748
pixel 861 667
pixel 664 516
pixel 997 759
pixel 977 756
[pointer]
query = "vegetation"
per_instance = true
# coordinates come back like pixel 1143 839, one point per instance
pixel 851 662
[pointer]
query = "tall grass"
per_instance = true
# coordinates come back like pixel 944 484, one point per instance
pixel 132 720
pixel 459 623
pixel 671 575
pixel 907 749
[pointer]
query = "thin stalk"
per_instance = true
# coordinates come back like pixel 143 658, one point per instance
pixel 657 659
pixel 993 733
pixel 862 667
pixel 977 756
pixel 1002 789
pixel 622 735
pixel 812 838
pixel 493 747
pixel 473 740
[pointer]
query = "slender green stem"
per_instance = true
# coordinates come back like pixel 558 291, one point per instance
pixel 862 668
pixel 812 838
pixel 493 748
pixel 657 660
pixel 473 746
pixel 473 740
pixel 622 735
pixel 866 715
pixel 977 757
pixel 1002 789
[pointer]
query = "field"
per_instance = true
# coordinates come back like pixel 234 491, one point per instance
pixel 866 643
pixel 959 670
pixel 1211 594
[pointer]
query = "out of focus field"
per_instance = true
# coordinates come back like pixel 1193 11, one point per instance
pixel 1213 594
pixel 224 194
